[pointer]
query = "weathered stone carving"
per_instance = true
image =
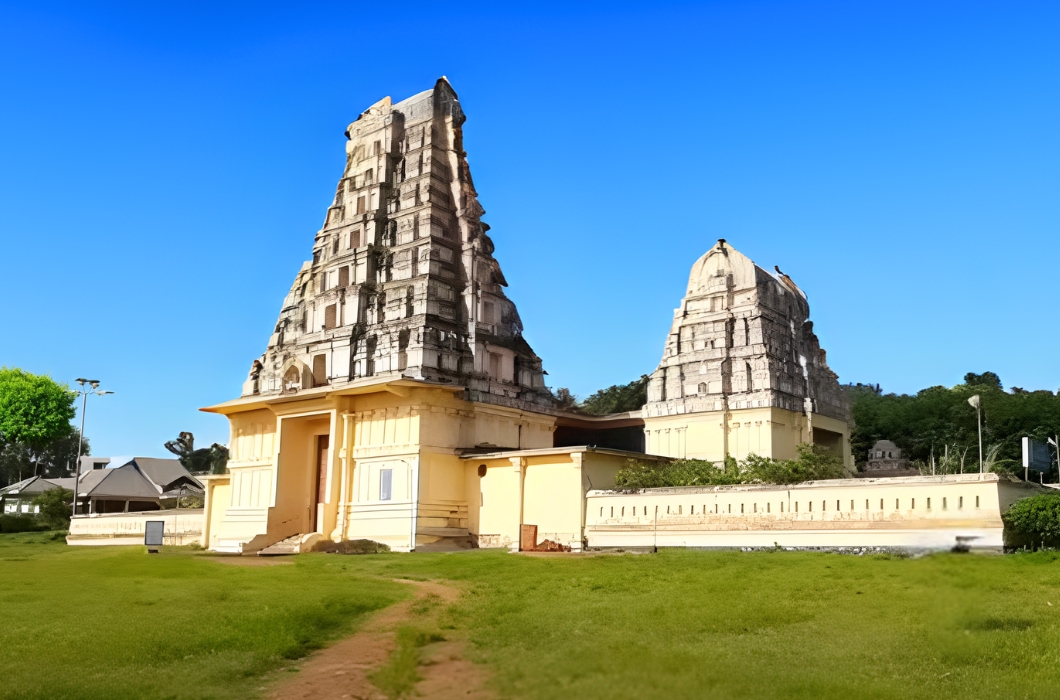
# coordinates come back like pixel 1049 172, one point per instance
pixel 742 339
pixel 402 281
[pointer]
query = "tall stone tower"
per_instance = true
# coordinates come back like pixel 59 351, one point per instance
pixel 402 281
pixel 742 371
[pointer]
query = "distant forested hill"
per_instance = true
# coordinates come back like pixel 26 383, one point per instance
pixel 938 422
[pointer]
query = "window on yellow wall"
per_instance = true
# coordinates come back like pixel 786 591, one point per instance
pixel 976 501
pixel 960 502
pixel 386 484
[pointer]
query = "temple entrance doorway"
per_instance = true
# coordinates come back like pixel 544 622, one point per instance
pixel 321 480
pixel 302 477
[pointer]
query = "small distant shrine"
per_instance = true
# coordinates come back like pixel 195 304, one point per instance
pixel 885 459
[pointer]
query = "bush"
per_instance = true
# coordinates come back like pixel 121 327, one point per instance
pixel 812 464
pixel 680 472
pixel 55 508
pixel 20 523
pixel 1033 522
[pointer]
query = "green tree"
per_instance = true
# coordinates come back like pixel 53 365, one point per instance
pixel 55 508
pixel 989 379
pixel 936 425
pixel 35 432
pixel 565 401
pixel 56 459
pixel 34 409
pixel 618 398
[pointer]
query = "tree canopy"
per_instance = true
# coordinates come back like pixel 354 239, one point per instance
pixel 617 398
pixel 938 423
pixel 56 459
pixel 34 409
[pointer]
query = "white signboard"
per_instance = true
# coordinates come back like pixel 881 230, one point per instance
pixel 1036 455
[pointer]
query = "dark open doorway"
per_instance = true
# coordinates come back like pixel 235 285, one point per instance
pixel 323 442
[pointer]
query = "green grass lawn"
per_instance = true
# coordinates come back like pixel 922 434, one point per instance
pixel 118 623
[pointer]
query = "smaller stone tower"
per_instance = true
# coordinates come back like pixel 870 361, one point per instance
pixel 742 371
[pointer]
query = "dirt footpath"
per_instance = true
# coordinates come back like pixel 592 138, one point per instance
pixel 340 672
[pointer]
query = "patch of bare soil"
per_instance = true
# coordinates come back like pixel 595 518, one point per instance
pixel 447 675
pixel 340 672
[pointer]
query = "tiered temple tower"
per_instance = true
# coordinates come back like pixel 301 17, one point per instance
pixel 742 371
pixel 403 281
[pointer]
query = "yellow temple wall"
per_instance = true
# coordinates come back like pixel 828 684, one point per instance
pixel 767 432
pixel 916 512
pixel 545 490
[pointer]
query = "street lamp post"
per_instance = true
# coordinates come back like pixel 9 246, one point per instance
pixel 1055 442
pixel 94 389
pixel 974 401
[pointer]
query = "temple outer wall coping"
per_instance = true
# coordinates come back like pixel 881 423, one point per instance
pixel 182 526
pixel 939 512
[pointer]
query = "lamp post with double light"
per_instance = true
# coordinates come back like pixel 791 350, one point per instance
pixel 93 388
pixel 974 401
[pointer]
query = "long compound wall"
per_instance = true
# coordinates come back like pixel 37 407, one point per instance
pixel 182 526
pixel 935 512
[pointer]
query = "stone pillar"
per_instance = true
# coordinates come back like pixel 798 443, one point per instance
pixel 519 463
pixel 339 533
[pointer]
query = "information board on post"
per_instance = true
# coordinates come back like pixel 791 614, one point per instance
pixel 1036 457
pixel 154 531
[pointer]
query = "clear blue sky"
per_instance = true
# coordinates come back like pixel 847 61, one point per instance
pixel 165 167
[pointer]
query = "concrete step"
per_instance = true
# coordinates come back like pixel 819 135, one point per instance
pixel 291 545
pixel 445 544
pixel 441 531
